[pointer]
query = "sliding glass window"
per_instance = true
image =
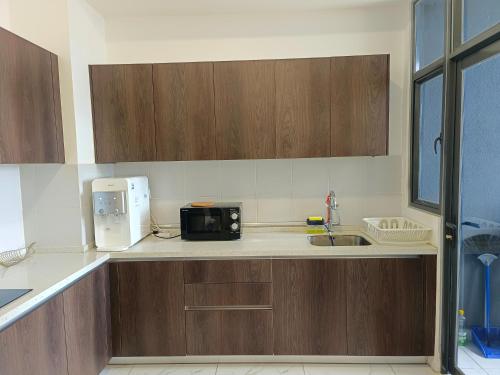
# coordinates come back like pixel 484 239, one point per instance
pixel 429 48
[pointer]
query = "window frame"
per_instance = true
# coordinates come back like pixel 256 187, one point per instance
pixel 417 77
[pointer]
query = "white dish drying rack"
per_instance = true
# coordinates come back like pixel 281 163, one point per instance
pixel 397 230
pixel 10 257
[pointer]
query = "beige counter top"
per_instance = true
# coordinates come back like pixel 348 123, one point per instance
pixel 50 273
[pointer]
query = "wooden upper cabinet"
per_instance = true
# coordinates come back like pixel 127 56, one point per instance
pixel 124 125
pixel 360 105
pixel 245 110
pixel 303 108
pixel 184 111
pixel 30 108
pixel 36 343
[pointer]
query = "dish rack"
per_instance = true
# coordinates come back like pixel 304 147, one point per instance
pixel 396 229
pixel 10 257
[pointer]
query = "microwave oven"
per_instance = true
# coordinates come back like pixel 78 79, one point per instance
pixel 219 222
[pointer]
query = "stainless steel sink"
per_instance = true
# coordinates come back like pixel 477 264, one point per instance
pixel 338 240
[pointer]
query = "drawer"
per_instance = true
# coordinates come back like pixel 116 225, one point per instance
pixel 229 332
pixel 227 271
pixel 229 294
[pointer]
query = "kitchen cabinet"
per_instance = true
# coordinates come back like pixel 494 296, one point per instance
pixel 184 111
pixel 360 105
pixel 303 108
pixel 245 110
pixel 387 306
pixel 147 308
pixel 30 107
pixel 123 112
pixel 227 271
pixel 36 342
pixel 309 307
pixel 87 322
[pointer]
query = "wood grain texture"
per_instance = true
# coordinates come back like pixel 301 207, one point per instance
pixel 35 343
pixel 309 307
pixel 360 105
pixel 57 108
pixel 123 109
pixel 230 294
pixel 303 108
pixel 385 307
pixel 227 271
pixel 245 110
pixel 150 302
pixel 430 276
pixel 28 128
pixel 87 321
pixel 234 332
pixel 184 111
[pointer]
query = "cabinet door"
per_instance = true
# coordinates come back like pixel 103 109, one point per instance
pixel 303 108
pixel 244 109
pixel 35 343
pixel 229 332
pixel 184 111
pixel 122 100
pixel 385 306
pixel 88 323
pixel 147 300
pixel 360 105
pixel 309 307
pixel 30 127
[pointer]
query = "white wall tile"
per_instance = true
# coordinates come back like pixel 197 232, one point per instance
pixel 166 180
pixel 201 180
pixel 272 210
pixel 11 209
pixel 237 178
pixel 310 177
pixel 274 178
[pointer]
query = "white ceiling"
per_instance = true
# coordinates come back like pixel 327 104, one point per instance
pixel 176 7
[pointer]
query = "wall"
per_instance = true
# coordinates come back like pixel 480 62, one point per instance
pixel 272 190
pixel 11 217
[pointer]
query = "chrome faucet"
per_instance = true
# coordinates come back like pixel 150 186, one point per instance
pixel 332 210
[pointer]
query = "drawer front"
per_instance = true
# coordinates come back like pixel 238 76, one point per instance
pixel 227 271
pixel 229 332
pixel 230 294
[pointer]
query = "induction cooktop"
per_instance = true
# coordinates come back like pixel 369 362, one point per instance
pixel 9 295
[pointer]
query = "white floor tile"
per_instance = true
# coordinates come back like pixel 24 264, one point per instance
pixel 260 369
pixel 491 371
pixel 474 371
pixel 477 356
pixel 465 361
pixel 413 370
pixel 186 369
pixel 347 369
pixel 116 370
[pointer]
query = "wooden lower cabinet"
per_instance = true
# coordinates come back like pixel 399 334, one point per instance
pixel 229 332
pixel 309 307
pixel 88 323
pixel 147 307
pixel 36 343
pixel 386 307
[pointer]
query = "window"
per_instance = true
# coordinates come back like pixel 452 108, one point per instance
pixel 429 32
pixel 428 92
pixel 478 16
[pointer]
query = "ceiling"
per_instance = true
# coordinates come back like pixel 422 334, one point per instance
pixel 177 7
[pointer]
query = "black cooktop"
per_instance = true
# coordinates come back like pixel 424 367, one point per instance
pixel 9 295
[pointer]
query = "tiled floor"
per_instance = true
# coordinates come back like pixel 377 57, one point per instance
pixel 471 362
pixel 269 369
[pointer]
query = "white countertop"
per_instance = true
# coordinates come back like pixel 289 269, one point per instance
pixel 50 273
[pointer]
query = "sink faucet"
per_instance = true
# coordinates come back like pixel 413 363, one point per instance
pixel 332 211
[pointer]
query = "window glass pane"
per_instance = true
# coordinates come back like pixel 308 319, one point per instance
pixel 430 124
pixel 429 31
pixel 478 16
pixel 480 159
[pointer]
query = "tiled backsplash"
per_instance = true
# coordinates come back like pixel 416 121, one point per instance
pixel 11 209
pixel 275 190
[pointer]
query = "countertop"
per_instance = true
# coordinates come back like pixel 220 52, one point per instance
pixel 50 273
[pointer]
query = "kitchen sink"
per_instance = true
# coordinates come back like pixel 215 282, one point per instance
pixel 338 240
